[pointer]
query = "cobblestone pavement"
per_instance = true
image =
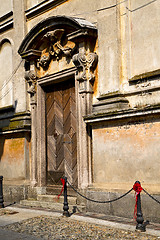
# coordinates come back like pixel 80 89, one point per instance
pixel 12 235
pixel 57 228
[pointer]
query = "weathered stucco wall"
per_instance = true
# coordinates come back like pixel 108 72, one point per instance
pixel 6 7
pixel 14 115
pixel 14 158
pixel 145 29
pixel 108 41
pixel 126 152
pixel 6 91
pixel 139 52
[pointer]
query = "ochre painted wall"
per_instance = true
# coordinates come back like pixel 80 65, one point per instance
pixel 125 153
pixel 12 158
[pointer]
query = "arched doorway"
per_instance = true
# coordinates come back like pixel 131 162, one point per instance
pixel 60 65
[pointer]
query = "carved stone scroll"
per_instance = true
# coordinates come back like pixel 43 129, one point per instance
pixel 85 69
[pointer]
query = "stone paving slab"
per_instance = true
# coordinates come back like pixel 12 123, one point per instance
pixel 20 214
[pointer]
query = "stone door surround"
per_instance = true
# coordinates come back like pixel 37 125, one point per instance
pixel 67 43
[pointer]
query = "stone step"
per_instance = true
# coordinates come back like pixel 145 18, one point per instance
pixel 51 205
pixel 54 199
pixel 56 189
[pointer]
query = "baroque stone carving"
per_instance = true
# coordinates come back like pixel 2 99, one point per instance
pixel 31 77
pixel 85 65
pixel 58 45
pixel 85 69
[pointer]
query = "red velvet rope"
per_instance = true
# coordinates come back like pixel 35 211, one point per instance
pixel 63 182
pixel 137 188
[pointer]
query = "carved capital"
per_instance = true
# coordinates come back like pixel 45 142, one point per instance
pixel 31 78
pixel 85 65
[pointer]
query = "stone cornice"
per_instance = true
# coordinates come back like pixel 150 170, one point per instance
pixel 6 21
pixel 42 7
pixel 111 115
pixel 6 25
pixel 6 17
pixel 152 75
pixel 19 122
pixel 7 108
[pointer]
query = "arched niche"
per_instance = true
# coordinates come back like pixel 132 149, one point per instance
pixel 57 50
pixel 6 73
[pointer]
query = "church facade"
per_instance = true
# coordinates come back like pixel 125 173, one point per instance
pixel 79 97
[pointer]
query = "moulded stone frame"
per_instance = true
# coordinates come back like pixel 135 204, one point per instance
pixel 41 115
pixel 83 139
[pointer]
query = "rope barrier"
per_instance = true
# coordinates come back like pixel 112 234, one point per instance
pixel 113 200
pixel 92 200
pixel 151 196
pixel 141 225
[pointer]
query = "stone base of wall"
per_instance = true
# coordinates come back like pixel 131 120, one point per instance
pixel 15 193
pixel 125 206
pixel 121 208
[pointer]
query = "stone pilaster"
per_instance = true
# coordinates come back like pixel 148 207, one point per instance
pixel 85 64
pixel 31 78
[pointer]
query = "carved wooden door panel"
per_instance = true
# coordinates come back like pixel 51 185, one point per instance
pixel 61 133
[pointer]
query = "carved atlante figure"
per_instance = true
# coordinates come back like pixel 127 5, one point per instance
pixel 56 47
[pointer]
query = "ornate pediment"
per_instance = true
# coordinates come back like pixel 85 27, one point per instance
pixel 57 46
pixel 56 43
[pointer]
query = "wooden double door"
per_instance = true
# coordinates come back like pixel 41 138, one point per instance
pixel 61 140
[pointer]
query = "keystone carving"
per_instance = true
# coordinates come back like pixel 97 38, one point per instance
pixel 58 45
pixel 86 65
pixel 31 77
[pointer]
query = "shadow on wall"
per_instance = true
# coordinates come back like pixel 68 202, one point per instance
pixel 6 114
pixel 2 140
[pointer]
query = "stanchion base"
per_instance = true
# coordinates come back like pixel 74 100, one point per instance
pixel 66 214
pixel 142 226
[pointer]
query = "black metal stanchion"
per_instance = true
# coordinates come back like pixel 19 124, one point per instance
pixel 139 219
pixel 1 192
pixel 141 225
pixel 65 204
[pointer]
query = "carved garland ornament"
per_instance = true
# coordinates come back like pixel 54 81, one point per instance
pixel 58 45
